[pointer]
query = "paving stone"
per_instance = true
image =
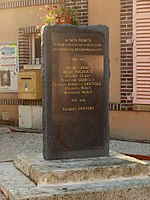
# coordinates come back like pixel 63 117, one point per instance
pixel 11 177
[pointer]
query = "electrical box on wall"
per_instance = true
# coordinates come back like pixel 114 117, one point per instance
pixel 30 117
pixel 29 85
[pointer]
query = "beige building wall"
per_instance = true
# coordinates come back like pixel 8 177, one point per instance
pixel 10 21
pixel 108 12
pixel 9 0
pixel 12 112
pixel 130 125
pixel 13 19
pixel 11 109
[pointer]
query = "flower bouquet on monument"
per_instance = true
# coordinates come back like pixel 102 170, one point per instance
pixel 61 15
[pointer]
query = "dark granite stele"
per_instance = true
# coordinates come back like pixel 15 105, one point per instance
pixel 75 76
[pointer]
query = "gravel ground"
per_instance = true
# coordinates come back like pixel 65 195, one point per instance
pixel 13 143
pixel 130 147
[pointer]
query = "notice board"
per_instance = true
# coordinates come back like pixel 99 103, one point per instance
pixel 9 67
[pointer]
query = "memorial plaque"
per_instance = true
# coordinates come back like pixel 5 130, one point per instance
pixel 75 91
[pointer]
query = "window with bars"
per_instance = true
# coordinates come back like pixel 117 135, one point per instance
pixel 35 49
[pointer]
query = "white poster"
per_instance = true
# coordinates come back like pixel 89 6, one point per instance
pixel 8 67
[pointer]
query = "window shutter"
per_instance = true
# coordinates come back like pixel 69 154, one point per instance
pixel 141 51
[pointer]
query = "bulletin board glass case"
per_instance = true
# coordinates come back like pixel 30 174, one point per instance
pixel 9 67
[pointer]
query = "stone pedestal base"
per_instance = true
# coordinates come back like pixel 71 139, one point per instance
pixel 106 178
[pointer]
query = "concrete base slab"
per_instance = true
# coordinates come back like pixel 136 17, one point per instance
pixel 116 177
pixel 17 186
pixel 78 170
